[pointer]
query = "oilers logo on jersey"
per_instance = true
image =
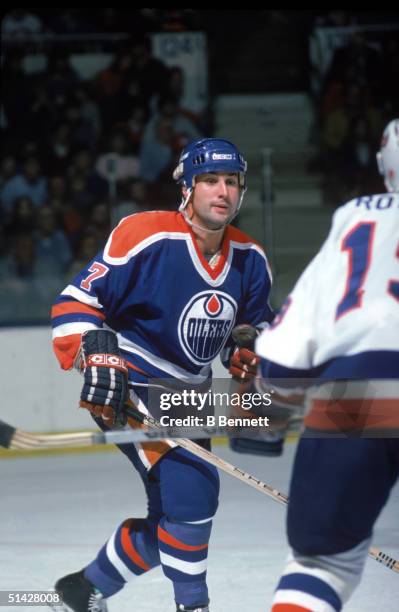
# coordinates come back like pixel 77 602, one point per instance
pixel 205 325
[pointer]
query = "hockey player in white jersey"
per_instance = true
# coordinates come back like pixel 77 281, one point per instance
pixel 341 323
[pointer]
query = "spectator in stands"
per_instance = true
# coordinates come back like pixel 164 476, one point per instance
pixel 350 133
pixel 19 264
pixel 71 218
pixel 8 168
pixel 130 98
pixel 42 113
pixel 358 157
pixel 81 129
pixel 87 249
pixel 62 79
pixel 135 126
pixel 26 287
pixel 83 166
pixel 99 223
pixel 176 84
pixel 110 86
pixel 89 107
pixel 28 183
pixel 356 63
pixel 164 136
pixel 57 192
pixel 59 150
pixel 184 129
pixel 118 163
pixel 51 245
pixel 150 72
pixel 80 198
pixel 21 220
pixel 133 198
pixel 158 150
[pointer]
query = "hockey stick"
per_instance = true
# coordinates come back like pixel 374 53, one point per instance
pixel 236 472
pixel 13 438
pixel 17 439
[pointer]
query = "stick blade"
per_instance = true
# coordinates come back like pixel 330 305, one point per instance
pixel 6 434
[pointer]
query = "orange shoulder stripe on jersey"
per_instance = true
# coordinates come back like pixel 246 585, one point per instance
pixel 128 547
pixel 233 233
pixel 136 228
pixel 289 607
pixel 349 415
pixel 66 349
pixel 73 307
pixel 165 537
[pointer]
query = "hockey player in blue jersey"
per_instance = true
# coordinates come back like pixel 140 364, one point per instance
pixel 160 302
pixel 341 323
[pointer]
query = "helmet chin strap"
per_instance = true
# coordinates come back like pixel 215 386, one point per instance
pixel 183 207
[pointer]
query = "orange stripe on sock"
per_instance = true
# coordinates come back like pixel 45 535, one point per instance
pixel 165 537
pixel 289 607
pixel 73 307
pixel 128 547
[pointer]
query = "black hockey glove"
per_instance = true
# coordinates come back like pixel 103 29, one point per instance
pixel 244 363
pixel 105 388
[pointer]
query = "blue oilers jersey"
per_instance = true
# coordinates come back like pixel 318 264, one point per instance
pixel 172 311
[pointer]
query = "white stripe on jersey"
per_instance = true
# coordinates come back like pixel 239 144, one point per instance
pixel 203 272
pixel 68 329
pixel 82 296
pixel 120 261
pixel 162 364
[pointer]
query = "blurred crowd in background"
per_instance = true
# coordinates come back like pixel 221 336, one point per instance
pixel 80 154
pixel 357 97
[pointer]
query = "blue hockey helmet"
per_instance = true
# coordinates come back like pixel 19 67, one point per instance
pixel 209 155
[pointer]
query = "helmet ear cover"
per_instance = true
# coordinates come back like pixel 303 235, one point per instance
pixel 388 156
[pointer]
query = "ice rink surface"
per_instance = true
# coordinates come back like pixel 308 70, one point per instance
pixel 58 510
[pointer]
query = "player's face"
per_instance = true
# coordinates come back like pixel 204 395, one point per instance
pixel 215 199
